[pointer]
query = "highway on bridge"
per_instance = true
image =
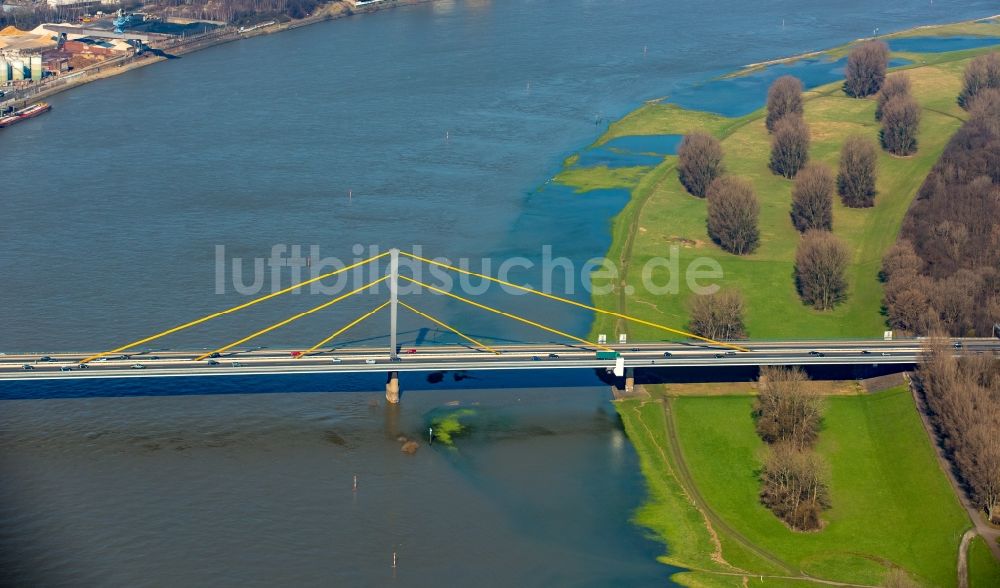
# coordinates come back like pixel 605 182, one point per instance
pixel 260 361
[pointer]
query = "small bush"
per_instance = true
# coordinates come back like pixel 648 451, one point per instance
pixel 856 180
pixel 699 162
pixel 866 67
pixel 732 215
pixel 789 146
pixel 783 98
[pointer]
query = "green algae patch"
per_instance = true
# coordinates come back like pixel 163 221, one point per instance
pixel 448 424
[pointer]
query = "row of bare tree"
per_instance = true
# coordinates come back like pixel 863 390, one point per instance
pixel 794 478
pixel 944 273
pixel 963 398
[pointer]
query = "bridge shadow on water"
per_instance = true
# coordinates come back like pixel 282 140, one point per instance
pixel 410 382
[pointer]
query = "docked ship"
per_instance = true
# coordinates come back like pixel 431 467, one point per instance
pixel 24 114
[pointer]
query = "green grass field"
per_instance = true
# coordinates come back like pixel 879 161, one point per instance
pixel 984 569
pixel 892 506
pixel 661 215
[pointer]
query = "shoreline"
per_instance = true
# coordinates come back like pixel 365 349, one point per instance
pixel 330 11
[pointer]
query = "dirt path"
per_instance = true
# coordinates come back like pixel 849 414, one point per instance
pixel 712 520
pixel 963 559
pixel 684 474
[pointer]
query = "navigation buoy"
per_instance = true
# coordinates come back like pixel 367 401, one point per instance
pixel 355 482
pixel 393 560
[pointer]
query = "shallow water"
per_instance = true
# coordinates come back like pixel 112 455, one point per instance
pixel 632 150
pixel 941 44
pixel 741 95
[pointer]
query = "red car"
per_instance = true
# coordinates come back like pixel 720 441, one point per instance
pixel 411 351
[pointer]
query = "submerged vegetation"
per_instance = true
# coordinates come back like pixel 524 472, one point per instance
pixel 447 424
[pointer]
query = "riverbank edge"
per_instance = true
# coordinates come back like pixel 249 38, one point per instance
pixel 710 569
pixel 624 225
pixel 327 12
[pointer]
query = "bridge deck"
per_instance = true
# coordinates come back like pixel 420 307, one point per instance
pixel 260 361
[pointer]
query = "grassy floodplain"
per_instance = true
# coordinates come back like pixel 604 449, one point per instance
pixel 892 505
pixel 661 214
pixel 984 569
pixel 893 508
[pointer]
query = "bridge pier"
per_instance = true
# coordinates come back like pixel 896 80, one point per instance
pixel 629 380
pixel 392 388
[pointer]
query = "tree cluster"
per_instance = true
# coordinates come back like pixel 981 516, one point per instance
pixel 718 316
pixel 789 418
pixel 963 399
pixel 945 271
pixel 812 198
pixel 866 67
pixel 856 178
pixel 821 261
pixel 983 73
pixel 699 162
pixel 786 410
pixel 732 215
pixel 784 97
pixel 789 146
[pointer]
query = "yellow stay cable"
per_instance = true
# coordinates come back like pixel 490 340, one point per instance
pixel 233 309
pixel 453 330
pixel 291 319
pixel 573 302
pixel 507 314
pixel 344 328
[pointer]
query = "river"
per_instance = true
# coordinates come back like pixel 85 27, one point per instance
pixel 434 125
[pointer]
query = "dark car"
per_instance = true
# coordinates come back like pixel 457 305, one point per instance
pixel 216 354
pixel 535 358
pixel 719 356
pixel 666 354
pixel 45 358
pixel 212 362
pixel 553 356
pixel 27 367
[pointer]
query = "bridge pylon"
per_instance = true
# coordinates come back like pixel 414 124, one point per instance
pixel 393 299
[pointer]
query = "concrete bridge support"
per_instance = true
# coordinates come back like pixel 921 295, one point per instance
pixel 629 380
pixel 392 388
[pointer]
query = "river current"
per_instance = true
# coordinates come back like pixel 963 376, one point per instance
pixel 436 125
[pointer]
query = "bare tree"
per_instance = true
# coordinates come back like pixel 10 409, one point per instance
pixel 820 267
pixel 699 162
pixel 732 215
pixel 786 409
pixel 789 146
pixel 812 198
pixel 783 98
pixel 866 67
pixel 856 179
pixel 794 487
pixel 985 111
pixel 900 122
pixel 982 73
pixel 718 316
pixel 897 84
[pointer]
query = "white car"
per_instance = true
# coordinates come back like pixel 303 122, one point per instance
pixel 369 361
